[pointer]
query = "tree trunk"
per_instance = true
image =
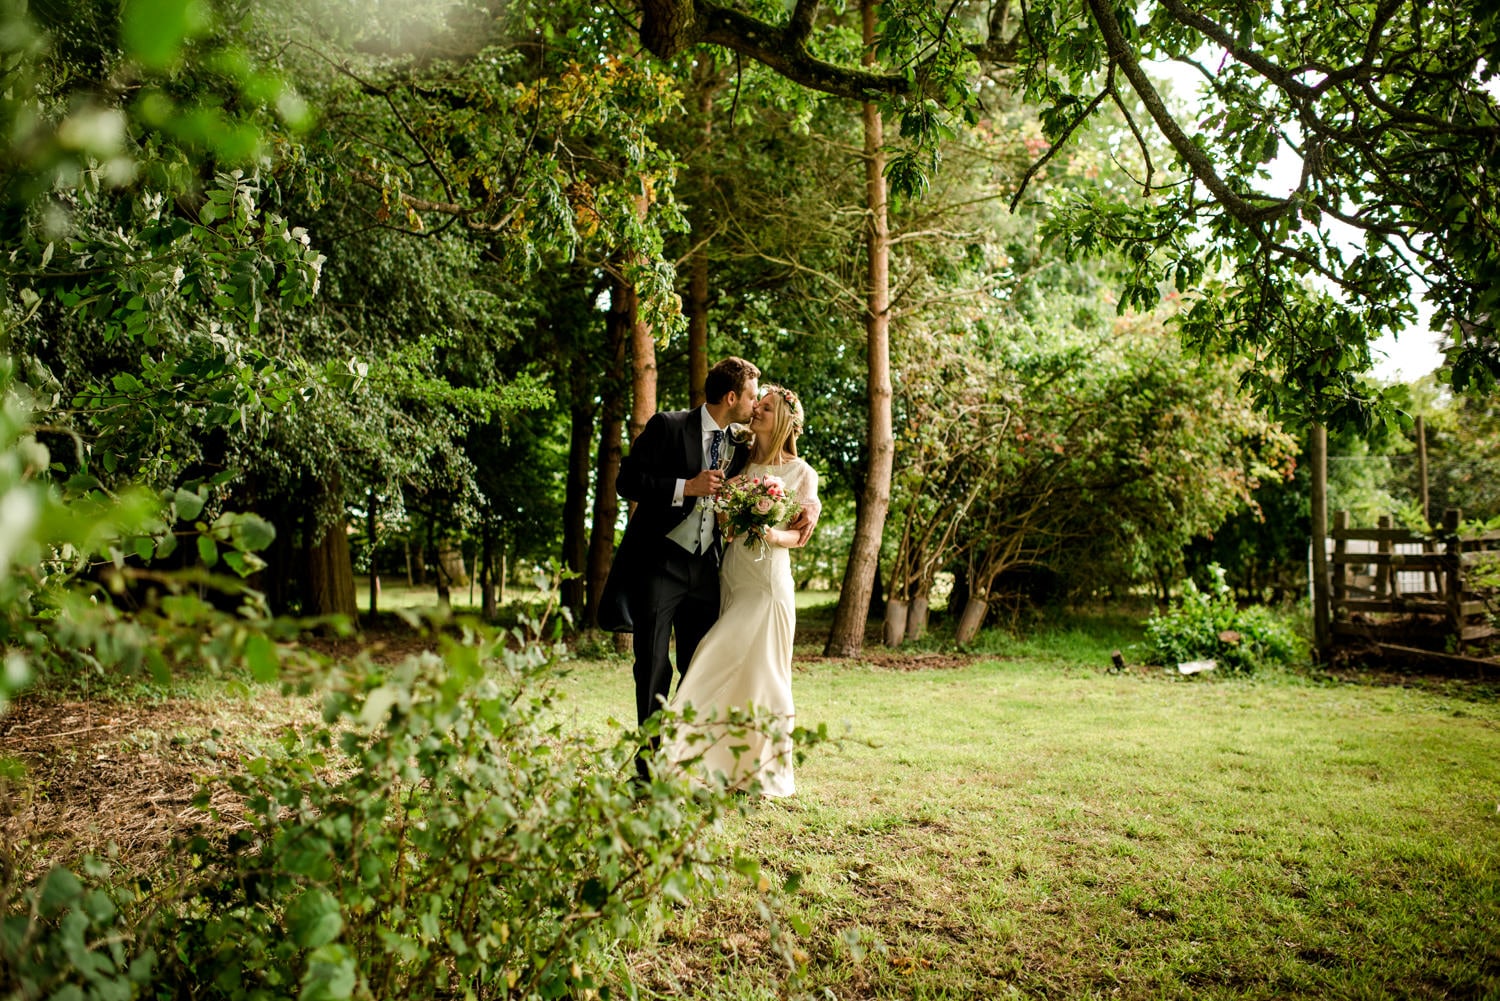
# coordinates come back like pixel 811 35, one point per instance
pixel 488 606
pixel 697 317
pixel 895 621
pixel 916 616
pixel 697 297
pixel 330 574
pixel 642 369
pixel 451 563
pixel 607 467
pixel 374 569
pixel 846 638
pixel 576 502
pixel 975 610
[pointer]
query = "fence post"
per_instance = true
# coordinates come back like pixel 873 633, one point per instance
pixel 1340 582
pixel 1429 579
pixel 1318 454
pixel 1453 572
pixel 1385 579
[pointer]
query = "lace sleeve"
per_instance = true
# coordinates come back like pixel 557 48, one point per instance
pixel 807 487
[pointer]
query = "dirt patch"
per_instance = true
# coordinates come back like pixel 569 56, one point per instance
pixel 894 661
pixel 86 776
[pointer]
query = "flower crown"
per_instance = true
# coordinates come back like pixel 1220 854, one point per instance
pixel 793 405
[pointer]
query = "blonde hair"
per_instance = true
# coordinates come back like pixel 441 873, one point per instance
pixel 789 421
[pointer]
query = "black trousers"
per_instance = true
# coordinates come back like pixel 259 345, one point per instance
pixel 681 597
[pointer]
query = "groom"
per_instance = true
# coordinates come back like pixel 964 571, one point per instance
pixel 666 573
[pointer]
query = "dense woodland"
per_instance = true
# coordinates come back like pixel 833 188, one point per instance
pixel 294 291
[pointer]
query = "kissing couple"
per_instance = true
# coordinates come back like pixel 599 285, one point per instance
pixel 730 605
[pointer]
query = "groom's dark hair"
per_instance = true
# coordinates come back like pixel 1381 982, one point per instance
pixel 729 376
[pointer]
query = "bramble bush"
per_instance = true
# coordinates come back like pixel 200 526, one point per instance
pixel 1202 625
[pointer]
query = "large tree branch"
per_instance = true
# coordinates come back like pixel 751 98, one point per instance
pixel 669 27
pixel 1225 39
pixel 1199 163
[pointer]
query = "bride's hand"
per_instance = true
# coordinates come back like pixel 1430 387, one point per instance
pixel 783 537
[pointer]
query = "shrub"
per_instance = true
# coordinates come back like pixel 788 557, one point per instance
pixel 441 832
pixel 1209 625
pixel 63 938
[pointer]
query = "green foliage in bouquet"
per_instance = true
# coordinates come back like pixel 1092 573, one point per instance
pixel 1210 625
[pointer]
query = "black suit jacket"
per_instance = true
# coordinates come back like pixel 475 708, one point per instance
pixel 669 448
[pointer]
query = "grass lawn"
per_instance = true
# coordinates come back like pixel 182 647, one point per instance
pixel 1028 825
pixel 1018 823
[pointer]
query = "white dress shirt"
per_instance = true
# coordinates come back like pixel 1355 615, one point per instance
pixel 695 533
pixel 709 427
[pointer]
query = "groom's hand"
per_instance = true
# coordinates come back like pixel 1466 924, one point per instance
pixel 705 484
pixel 803 525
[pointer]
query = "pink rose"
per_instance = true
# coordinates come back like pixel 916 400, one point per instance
pixel 763 506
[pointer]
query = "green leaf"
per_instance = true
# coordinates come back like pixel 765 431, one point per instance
pixel 153 31
pixel 260 656
pixel 252 532
pixel 60 890
pixel 313 920
pixel 330 976
pixel 188 504
pixel 208 551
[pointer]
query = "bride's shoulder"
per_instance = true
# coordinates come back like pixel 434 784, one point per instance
pixel 803 469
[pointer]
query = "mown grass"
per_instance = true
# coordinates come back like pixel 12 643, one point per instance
pixel 1029 825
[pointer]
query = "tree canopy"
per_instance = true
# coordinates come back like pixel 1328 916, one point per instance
pixel 1385 111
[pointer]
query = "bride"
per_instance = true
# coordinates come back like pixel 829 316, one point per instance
pixel 739 684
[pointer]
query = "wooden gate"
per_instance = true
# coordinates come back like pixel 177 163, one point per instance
pixel 1393 586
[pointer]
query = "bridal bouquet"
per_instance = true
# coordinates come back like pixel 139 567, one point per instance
pixel 752 505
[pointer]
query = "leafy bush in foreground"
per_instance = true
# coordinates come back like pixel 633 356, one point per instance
pixel 1209 625
pixel 440 833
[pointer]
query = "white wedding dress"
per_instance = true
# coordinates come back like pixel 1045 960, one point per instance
pixel 739 683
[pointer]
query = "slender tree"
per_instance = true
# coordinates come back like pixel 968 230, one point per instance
pixel 847 636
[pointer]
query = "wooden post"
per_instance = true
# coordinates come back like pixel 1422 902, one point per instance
pixel 1385 578
pixel 1318 455
pixel 1429 581
pixel 1453 582
pixel 1422 469
pixel 1340 579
